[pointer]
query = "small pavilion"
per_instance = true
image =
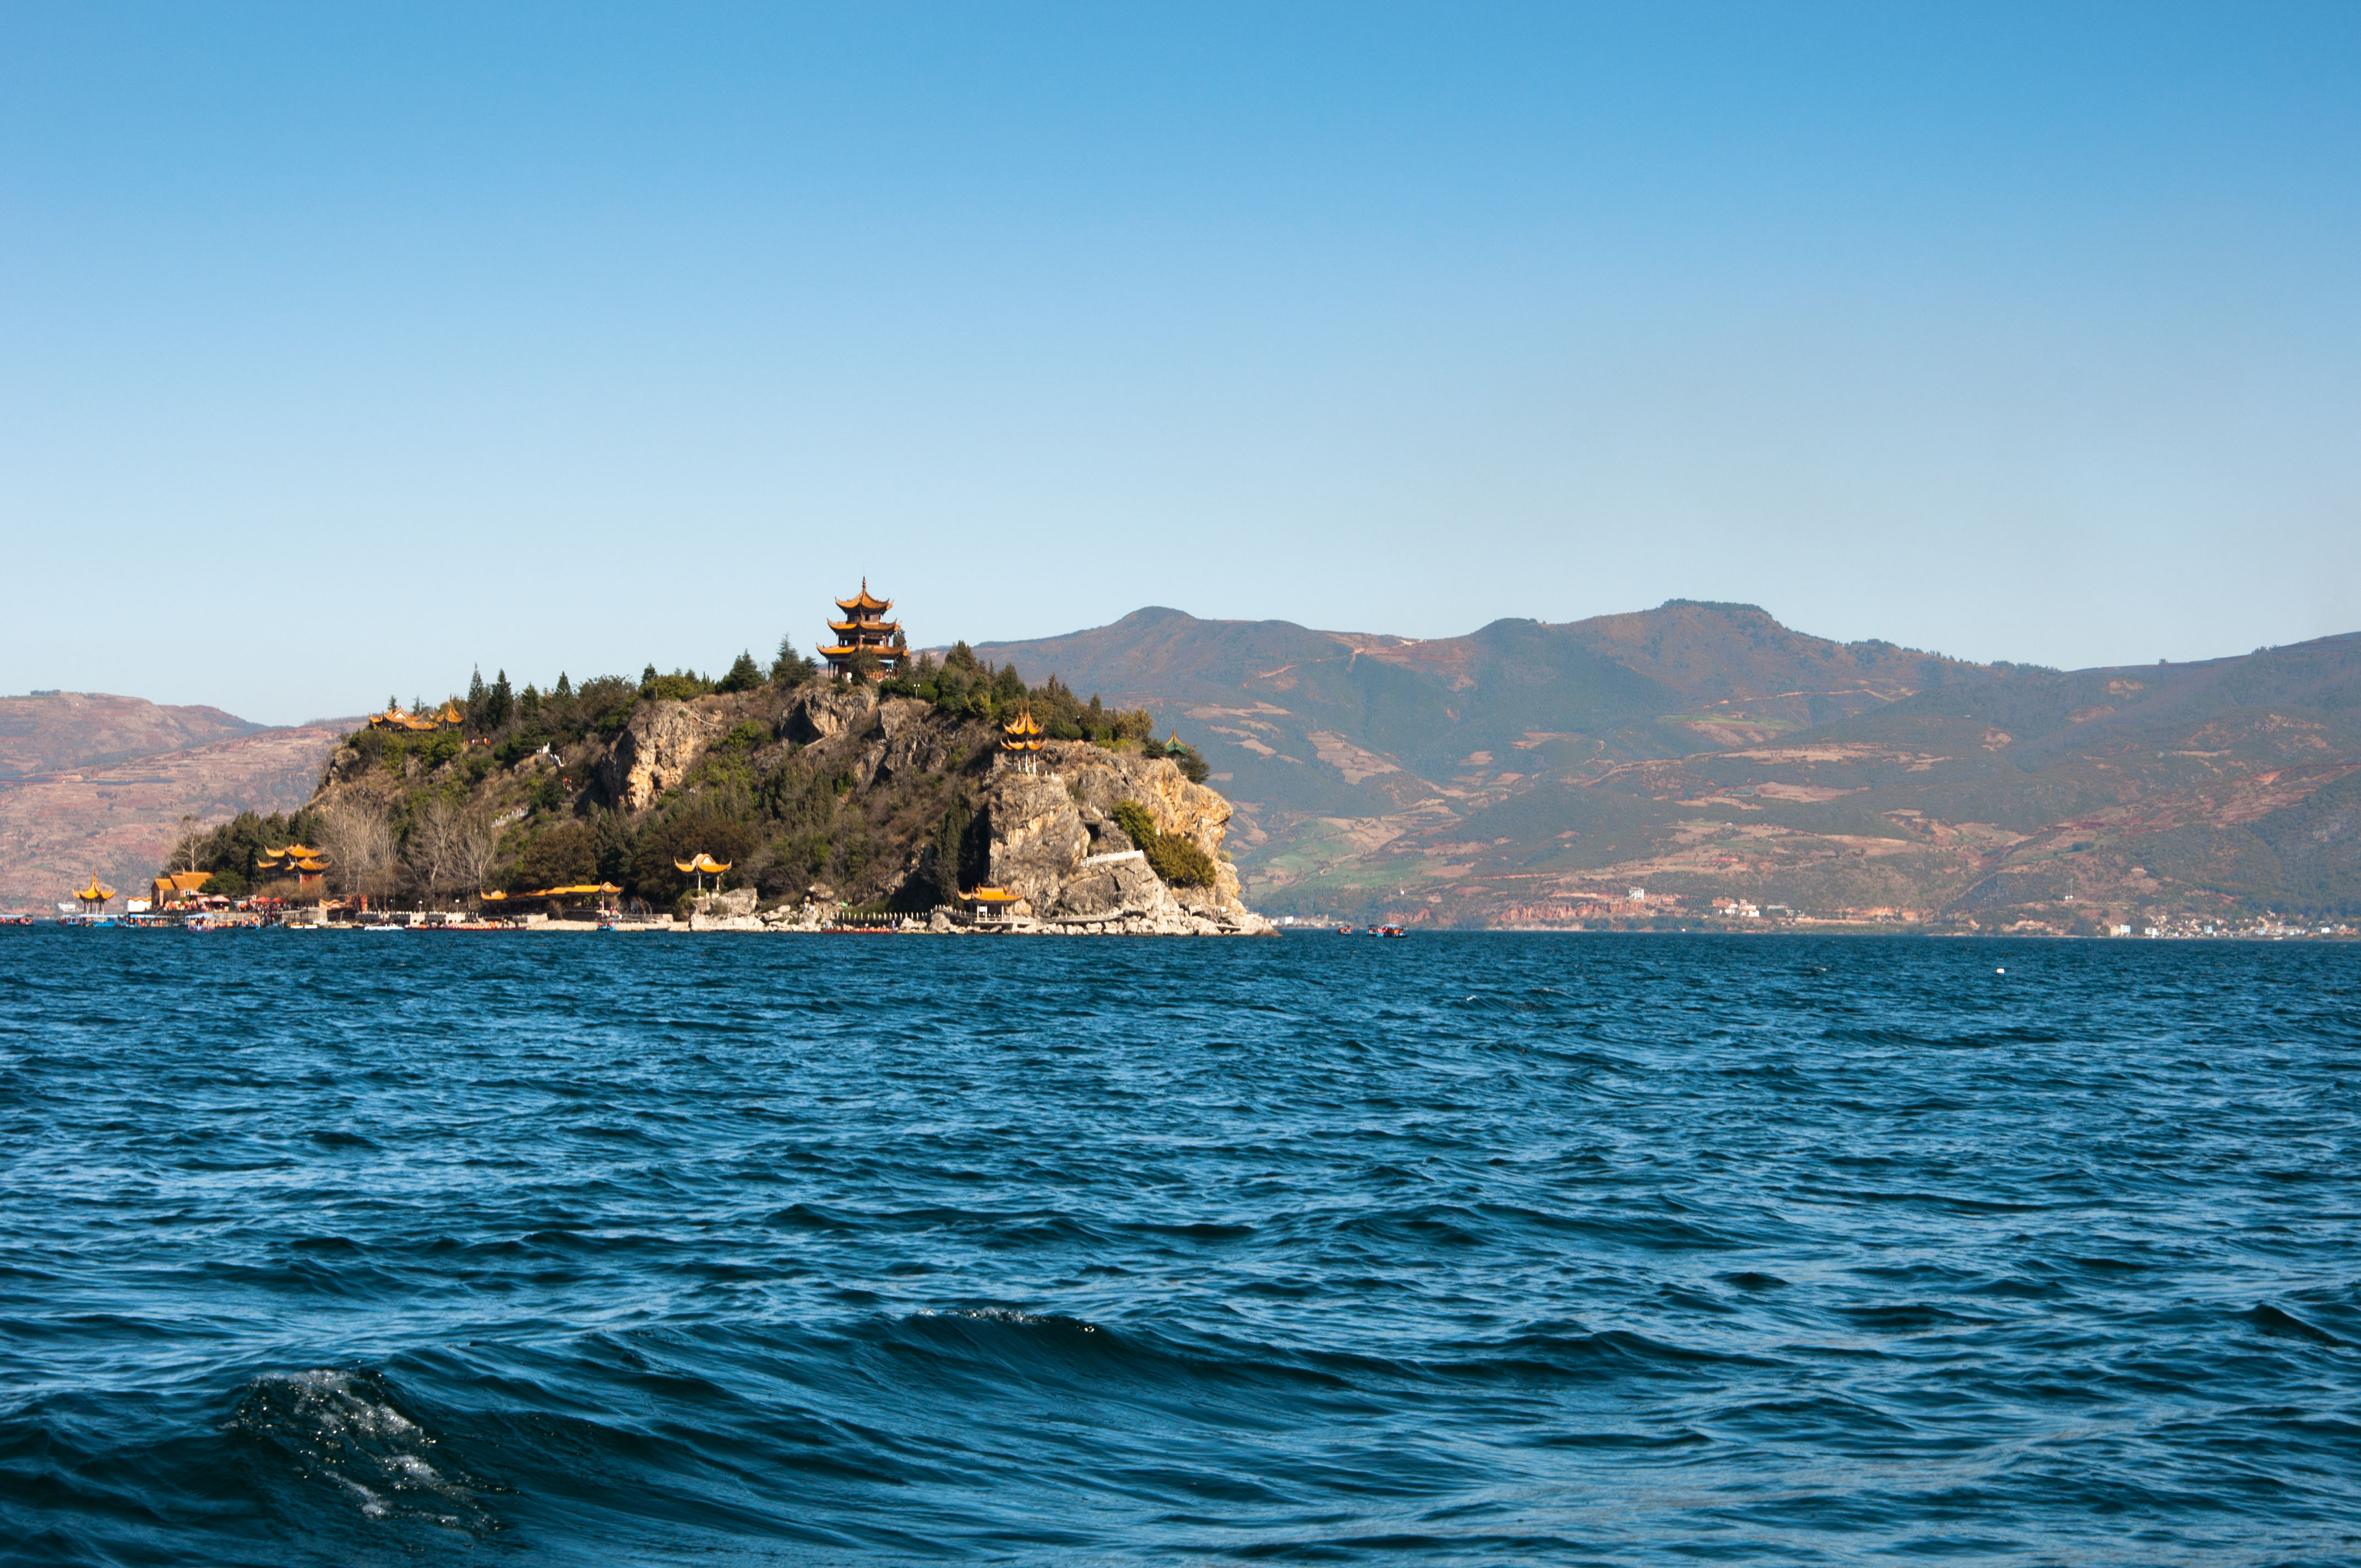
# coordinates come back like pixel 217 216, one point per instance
pixel 700 866
pixel 863 628
pixel 93 897
pixel 992 905
pixel 1020 741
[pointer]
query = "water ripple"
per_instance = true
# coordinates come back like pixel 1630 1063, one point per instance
pixel 323 1249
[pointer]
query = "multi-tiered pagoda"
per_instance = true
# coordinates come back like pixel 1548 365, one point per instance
pixel 864 628
pixel 1021 739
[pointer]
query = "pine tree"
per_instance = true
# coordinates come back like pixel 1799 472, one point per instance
pixel 744 675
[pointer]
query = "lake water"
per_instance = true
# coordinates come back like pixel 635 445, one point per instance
pixel 330 1248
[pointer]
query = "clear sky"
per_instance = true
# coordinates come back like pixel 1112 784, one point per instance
pixel 343 348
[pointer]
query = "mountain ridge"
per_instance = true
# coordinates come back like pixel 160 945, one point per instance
pixel 1520 773
pixel 1532 773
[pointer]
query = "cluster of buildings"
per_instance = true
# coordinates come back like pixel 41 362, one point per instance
pixel 401 722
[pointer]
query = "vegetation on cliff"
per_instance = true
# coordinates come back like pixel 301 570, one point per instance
pixel 1171 856
pixel 617 780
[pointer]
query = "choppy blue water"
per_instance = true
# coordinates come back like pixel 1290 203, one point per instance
pixel 325 1248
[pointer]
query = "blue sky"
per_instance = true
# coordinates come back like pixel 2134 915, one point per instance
pixel 343 348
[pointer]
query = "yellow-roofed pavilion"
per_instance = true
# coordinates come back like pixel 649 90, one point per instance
pixel 301 862
pixel 863 628
pixel 1020 741
pixel 700 866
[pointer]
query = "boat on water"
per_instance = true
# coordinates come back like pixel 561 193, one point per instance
pixel 1387 931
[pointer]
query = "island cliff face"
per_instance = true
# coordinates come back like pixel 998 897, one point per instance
pixel 823 795
pixel 1055 842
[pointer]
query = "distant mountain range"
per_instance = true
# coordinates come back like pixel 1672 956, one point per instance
pixel 93 784
pixel 1535 773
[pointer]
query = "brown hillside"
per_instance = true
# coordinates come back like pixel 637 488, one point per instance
pixel 117 822
pixel 66 729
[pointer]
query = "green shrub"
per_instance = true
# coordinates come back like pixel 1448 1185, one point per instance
pixel 565 856
pixel 517 747
pixel 1179 860
pixel 1173 856
pixel 1136 823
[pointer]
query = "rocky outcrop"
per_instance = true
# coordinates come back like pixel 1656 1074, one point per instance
pixel 823 710
pixel 1055 842
pixel 657 749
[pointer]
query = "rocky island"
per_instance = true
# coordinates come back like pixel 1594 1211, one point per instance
pixel 881 790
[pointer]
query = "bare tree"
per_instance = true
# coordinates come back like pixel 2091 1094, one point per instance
pixel 360 842
pixel 474 846
pixel 436 834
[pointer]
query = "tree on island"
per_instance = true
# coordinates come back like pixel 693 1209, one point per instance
pixel 792 667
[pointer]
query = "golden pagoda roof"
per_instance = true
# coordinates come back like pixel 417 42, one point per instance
pixel 841 626
pixel 451 714
pixel 702 863
pixel 96 893
pixel 991 895
pixel 1023 724
pixel 864 599
pixel 311 863
pixel 301 851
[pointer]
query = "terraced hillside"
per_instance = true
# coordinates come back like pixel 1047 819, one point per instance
pixel 1534 775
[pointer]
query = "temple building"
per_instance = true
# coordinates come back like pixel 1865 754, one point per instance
pixel 173 886
pixel 396 718
pixel 1020 739
pixel 301 861
pixel 864 628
